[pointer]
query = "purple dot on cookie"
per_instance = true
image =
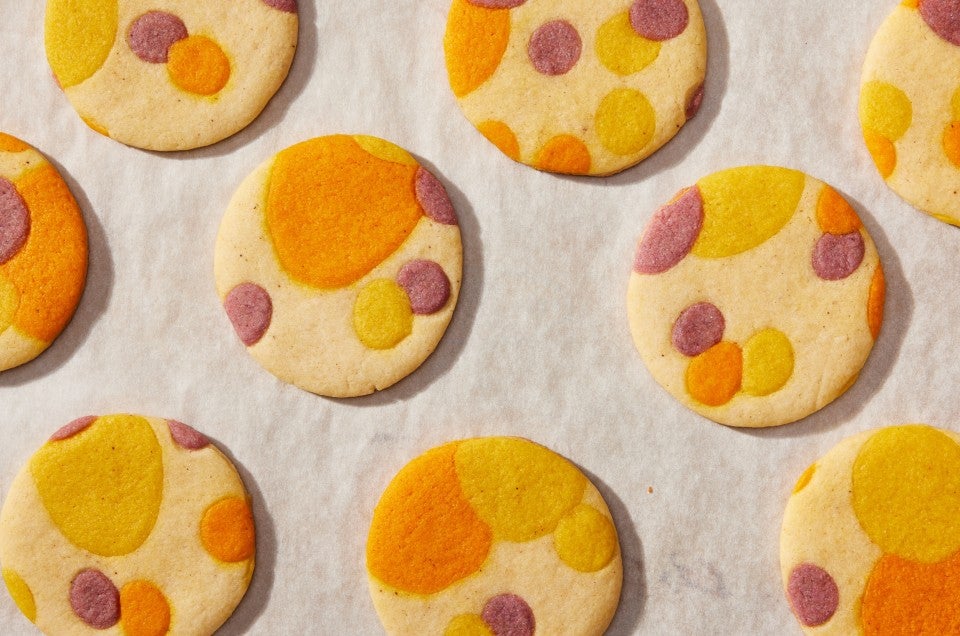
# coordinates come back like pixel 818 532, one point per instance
pixel 508 615
pixel 152 34
pixel 290 6
pixel 659 19
pixel 813 594
pixel 496 4
pixel 555 48
pixel 426 284
pixel 432 197
pixel 943 17
pixel 76 426
pixel 14 221
pixel 693 105
pixel 698 328
pixel 186 436
pixel 94 599
pixel 837 256
pixel 250 310
pixel 671 234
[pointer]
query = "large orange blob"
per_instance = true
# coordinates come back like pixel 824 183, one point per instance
pixel 475 42
pixel 905 597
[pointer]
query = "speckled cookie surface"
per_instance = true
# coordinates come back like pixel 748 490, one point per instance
pixel 172 74
pixel 756 296
pixel 43 253
pixel 338 262
pixel 127 525
pixel 910 105
pixel 493 536
pixel 577 87
pixel 871 537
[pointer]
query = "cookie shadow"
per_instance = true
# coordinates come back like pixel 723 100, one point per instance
pixel 93 303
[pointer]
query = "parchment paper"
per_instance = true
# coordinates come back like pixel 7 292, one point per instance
pixel 539 345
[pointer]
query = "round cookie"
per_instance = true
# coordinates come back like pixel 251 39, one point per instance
pixel 43 253
pixel 170 74
pixel 756 296
pixel 338 262
pixel 910 105
pixel 123 524
pixel 577 87
pixel 871 537
pixel 489 536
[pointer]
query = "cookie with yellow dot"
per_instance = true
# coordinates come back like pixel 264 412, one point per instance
pixel 871 537
pixel 756 296
pixel 577 87
pixel 123 524
pixel 43 253
pixel 172 74
pixel 489 536
pixel 338 262
pixel 910 105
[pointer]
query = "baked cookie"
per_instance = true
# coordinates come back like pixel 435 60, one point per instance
pixel 122 524
pixel 871 536
pixel 170 74
pixel 577 87
pixel 338 262
pixel 910 105
pixel 756 296
pixel 489 536
pixel 43 253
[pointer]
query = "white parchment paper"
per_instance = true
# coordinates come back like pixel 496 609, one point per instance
pixel 539 345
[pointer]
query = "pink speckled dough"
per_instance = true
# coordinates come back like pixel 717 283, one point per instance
pixel 659 19
pixel 509 615
pixel 426 284
pixel 250 310
pixel 555 48
pixel 76 426
pixel 290 6
pixel 671 234
pixel 943 16
pixel 94 599
pixel 14 221
pixel 186 436
pixel 693 106
pixel 432 197
pixel 836 257
pixel 497 4
pixel 813 594
pixel 152 34
pixel 697 329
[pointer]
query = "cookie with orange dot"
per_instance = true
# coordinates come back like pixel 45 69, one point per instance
pixel 489 536
pixel 170 75
pixel 756 296
pixel 577 87
pixel 43 253
pixel 910 105
pixel 338 262
pixel 123 524
pixel 870 542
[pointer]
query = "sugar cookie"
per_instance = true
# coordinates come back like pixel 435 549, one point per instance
pixel 493 536
pixel 756 296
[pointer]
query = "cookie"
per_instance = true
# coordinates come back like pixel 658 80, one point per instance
pixel 756 296
pixel 129 524
pixel 170 74
pixel 338 262
pixel 871 536
pixel 577 87
pixel 43 253
pixel 493 535
pixel 910 105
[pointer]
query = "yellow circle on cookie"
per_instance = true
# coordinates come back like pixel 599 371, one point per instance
pixel 481 536
pixel 127 522
pixel 871 538
pixel 910 105
pixel 170 75
pixel 756 296
pixel 577 88
pixel 338 262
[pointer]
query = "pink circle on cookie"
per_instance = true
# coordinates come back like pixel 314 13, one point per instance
pixel 694 103
pixel 433 198
pixel 187 437
pixel 671 234
pixel 290 6
pixel 73 428
pixel 152 34
pixel 95 599
pixel 813 594
pixel 698 328
pixel 508 615
pixel 426 284
pixel 659 19
pixel 943 16
pixel 14 221
pixel 250 310
pixel 837 256
pixel 555 48
pixel 496 4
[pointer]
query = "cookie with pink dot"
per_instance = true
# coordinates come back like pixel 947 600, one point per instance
pixel 338 263
pixel 127 524
pixel 170 75
pixel 577 87
pixel 756 296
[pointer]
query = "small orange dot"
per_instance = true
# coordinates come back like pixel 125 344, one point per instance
pixel 198 65
pixel 565 154
pixel 715 376
pixel 227 531
pixel 144 610
pixel 883 151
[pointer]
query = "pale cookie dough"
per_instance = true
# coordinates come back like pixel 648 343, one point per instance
pixel 756 296
pixel 493 536
pixel 43 253
pixel 128 525
pixel 577 87
pixel 338 262
pixel 871 536
pixel 910 105
pixel 170 74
